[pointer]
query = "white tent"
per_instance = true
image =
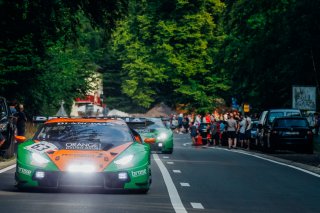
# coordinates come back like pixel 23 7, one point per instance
pixel 118 113
pixel 62 112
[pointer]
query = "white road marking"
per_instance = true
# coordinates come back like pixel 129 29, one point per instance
pixel 170 162
pixel 165 157
pixel 185 144
pixel 185 184
pixel 272 161
pixel 7 168
pixel 197 205
pixel 172 190
pixel 176 171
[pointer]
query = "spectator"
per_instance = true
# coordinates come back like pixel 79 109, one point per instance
pixel 215 132
pixel 2 139
pixel 185 123
pixel 242 130
pixel 231 128
pixel 193 133
pixel 21 121
pixel 180 118
pixel 248 130
pixel 13 107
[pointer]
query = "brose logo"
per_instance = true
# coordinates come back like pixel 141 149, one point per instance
pixel 24 171
pixel 83 146
pixel 139 173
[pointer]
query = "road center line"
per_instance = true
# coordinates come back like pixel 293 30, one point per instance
pixel 197 205
pixel 172 190
pixel 185 184
pixel 7 168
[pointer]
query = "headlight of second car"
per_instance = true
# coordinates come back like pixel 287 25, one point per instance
pixel 124 160
pixel 162 136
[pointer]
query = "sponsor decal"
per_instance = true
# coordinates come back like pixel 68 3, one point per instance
pixel 24 171
pixel 143 130
pixel 139 173
pixel 86 123
pixel 83 146
pixel 41 147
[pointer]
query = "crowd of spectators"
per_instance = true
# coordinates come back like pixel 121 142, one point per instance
pixel 232 129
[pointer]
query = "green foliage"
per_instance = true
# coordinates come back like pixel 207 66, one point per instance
pixel 170 56
pixel 49 48
pixel 268 49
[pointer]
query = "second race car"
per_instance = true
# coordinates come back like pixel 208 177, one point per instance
pixel 153 128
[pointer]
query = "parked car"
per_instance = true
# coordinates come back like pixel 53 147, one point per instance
pixel 7 129
pixel 265 122
pixel 290 133
pixel 253 134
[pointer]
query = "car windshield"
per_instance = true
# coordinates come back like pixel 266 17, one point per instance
pixel 291 123
pixel 150 123
pixel 274 115
pixel 103 135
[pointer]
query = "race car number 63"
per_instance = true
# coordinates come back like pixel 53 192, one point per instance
pixel 40 147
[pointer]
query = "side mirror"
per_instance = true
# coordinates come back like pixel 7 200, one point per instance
pixel 20 139
pixel 150 140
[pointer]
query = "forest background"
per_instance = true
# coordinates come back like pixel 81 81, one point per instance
pixel 193 53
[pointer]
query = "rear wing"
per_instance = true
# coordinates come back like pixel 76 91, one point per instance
pixel 43 119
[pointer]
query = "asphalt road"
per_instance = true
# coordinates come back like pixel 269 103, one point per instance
pixel 192 179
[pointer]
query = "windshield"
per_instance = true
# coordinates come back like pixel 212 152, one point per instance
pixel 99 135
pixel 149 123
pixel 274 115
pixel 291 123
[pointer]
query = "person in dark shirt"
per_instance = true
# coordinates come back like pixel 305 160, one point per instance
pixel 193 132
pixel 21 121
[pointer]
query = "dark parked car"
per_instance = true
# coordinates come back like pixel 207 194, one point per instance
pixel 290 133
pixel 266 120
pixel 7 129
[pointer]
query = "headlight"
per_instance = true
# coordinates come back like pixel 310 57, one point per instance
pixel 38 159
pixel 162 136
pixel 124 160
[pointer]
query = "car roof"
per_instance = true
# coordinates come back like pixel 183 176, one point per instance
pixel 282 110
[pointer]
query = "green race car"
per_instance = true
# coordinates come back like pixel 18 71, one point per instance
pixel 78 152
pixel 153 128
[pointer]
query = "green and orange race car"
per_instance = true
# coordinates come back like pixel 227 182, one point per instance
pixel 80 152
pixel 149 127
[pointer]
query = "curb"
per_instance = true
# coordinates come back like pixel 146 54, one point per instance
pixel 4 164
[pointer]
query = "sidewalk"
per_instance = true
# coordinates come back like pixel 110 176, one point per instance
pixel 6 163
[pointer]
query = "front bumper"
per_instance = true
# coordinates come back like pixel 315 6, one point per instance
pixel 56 179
